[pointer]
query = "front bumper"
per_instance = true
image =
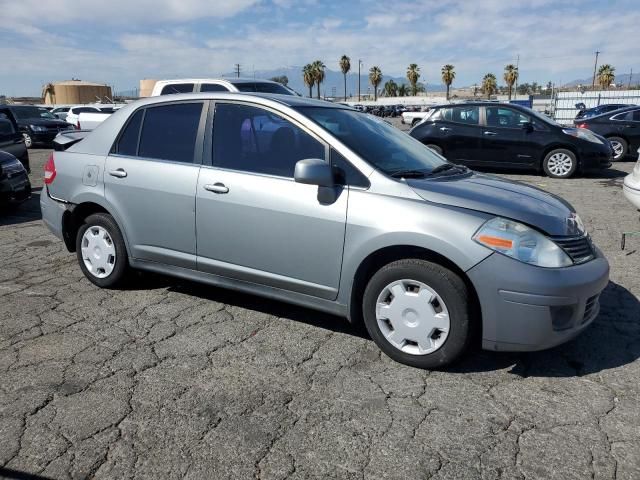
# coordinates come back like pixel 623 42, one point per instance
pixel 52 212
pixel 15 190
pixel 528 308
pixel 595 159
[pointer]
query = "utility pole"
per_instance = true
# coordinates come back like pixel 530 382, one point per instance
pixel 630 75
pixel 237 65
pixel 359 63
pixel 595 66
pixel 517 74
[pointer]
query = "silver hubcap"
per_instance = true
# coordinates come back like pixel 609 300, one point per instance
pixel 617 149
pixel 98 252
pixel 412 317
pixel 560 164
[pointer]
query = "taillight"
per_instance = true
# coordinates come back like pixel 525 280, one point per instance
pixel 49 171
pixel 78 125
pixel 583 125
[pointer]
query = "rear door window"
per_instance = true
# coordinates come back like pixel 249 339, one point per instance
pixel 169 132
pixel 213 87
pixel 128 142
pixel 177 88
pixel 505 117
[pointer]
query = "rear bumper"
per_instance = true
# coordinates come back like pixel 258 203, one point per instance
pixel 528 308
pixel 52 212
pixel 15 190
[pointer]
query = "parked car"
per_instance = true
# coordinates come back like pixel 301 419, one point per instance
pixel 74 112
pixel 621 127
pixel 90 120
pixel 585 112
pixel 11 140
pixel 166 87
pixel 494 135
pixel 414 117
pixel 61 111
pixel 631 185
pixel 255 197
pixel 37 124
pixel 14 181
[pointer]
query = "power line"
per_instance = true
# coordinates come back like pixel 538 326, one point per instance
pixel 237 68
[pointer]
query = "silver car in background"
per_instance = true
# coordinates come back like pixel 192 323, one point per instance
pixel 319 205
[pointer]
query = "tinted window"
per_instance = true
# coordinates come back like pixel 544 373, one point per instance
pixel 128 142
pixel 264 87
pixel 6 126
pixel 33 112
pixel 169 132
pixel 636 115
pixel 84 110
pixel 625 117
pixel 177 88
pixel 345 173
pixel 213 87
pixel 505 117
pixel 254 140
pixel 469 115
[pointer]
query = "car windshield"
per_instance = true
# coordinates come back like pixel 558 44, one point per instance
pixel 544 118
pixel 33 112
pixel 385 147
pixel 262 87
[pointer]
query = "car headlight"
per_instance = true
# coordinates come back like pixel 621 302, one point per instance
pixel 37 128
pixel 522 243
pixel 583 135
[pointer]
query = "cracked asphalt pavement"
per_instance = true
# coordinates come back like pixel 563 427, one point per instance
pixel 171 379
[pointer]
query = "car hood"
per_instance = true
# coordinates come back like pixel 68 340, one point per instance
pixel 486 193
pixel 44 122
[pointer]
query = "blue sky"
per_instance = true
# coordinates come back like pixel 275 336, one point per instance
pixel 121 41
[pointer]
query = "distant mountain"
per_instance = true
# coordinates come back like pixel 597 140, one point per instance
pixel 333 84
pixel 622 79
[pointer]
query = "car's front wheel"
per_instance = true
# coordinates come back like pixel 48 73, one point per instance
pixel 28 141
pixel 620 148
pixel 418 313
pixel 101 251
pixel 560 163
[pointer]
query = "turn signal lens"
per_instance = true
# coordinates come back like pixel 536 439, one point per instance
pixel 490 241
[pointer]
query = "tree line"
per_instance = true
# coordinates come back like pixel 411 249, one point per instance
pixel 313 74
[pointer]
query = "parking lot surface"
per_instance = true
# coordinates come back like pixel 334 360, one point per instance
pixel 170 379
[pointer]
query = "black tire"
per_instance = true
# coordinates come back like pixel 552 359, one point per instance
pixel 117 276
pixel 415 121
pixel 625 148
pixel 449 286
pixel 563 152
pixel 435 148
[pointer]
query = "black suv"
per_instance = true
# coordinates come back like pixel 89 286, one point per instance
pixel 493 135
pixel 11 140
pixel 37 124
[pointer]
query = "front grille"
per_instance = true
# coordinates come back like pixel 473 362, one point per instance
pixel 578 248
pixel 590 308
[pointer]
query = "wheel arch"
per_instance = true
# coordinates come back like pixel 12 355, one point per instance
pixel 559 146
pixel 377 259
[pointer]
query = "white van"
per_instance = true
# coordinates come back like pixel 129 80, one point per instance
pixel 189 85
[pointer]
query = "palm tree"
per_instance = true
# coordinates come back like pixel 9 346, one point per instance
pixel 489 84
pixel 448 75
pixel 402 90
pixel 391 89
pixel 345 66
pixel 606 75
pixel 510 77
pixel 308 77
pixel 318 73
pixel 413 74
pixel 375 77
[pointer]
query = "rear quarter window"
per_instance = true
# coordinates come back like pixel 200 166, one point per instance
pixel 128 142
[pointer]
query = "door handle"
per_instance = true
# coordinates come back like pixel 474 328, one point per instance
pixel 445 129
pixel 217 188
pixel 490 134
pixel 119 173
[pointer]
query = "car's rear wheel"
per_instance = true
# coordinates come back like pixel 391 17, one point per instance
pixel 418 313
pixel 415 121
pixel 435 148
pixel 28 141
pixel 620 148
pixel 560 163
pixel 101 251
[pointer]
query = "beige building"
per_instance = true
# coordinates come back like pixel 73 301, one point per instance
pixel 146 87
pixel 75 92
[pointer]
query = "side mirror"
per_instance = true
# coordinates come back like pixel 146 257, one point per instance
pixel 314 171
pixel 527 126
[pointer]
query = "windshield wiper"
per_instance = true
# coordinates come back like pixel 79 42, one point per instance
pixel 408 174
pixel 445 167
